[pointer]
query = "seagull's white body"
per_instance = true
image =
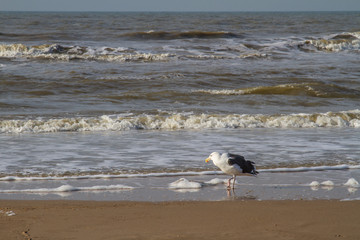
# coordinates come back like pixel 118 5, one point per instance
pixel 232 164
pixel 221 161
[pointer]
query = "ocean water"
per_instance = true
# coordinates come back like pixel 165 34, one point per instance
pixel 143 95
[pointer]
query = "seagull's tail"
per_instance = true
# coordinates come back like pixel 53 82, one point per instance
pixel 253 170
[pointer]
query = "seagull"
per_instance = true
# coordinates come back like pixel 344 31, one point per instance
pixel 232 164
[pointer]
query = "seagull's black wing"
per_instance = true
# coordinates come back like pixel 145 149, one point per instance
pixel 246 166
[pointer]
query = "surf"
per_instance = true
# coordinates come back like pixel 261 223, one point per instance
pixel 179 121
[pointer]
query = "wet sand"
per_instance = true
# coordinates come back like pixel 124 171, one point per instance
pixel 317 219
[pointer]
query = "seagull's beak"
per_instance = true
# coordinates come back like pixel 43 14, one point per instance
pixel 207 160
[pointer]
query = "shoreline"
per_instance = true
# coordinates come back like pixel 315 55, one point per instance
pixel 312 185
pixel 286 219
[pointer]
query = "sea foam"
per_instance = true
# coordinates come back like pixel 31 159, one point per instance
pixel 327 183
pixel 183 183
pixel 216 181
pixel 314 184
pixel 69 188
pixel 7 213
pixel 352 183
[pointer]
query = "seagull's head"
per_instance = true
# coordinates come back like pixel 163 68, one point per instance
pixel 213 156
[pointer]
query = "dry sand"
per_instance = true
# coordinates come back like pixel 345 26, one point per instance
pixel 51 220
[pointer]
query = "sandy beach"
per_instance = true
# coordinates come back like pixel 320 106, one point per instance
pixel 318 219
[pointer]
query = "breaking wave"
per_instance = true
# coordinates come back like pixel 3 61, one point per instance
pixel 179 121
pixel 336 43
pixel 68 53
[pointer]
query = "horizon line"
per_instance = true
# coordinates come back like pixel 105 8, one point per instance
pixel 184 11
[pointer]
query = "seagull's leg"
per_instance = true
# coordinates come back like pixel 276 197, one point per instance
pixel 228 186
pixel 234 177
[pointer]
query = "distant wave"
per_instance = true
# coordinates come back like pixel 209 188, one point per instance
pixel 179 121
pixel 9 34
pixel 245 50
pixel 107 54
pixel 336 43
pixel 295 89
pixel 29 36
pixel 67 53
pixel 164 35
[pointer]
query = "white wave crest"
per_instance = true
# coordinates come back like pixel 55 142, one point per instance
pixel 222 91
pixel 336 43
pixel 58 52
pixel 179 121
